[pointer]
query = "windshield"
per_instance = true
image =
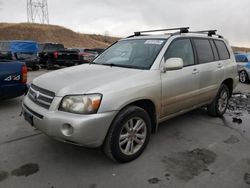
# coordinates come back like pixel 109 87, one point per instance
pixel 137 53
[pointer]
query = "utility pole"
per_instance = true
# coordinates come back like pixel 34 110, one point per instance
pixel 37 11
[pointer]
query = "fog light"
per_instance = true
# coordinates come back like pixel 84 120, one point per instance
pixel 67 129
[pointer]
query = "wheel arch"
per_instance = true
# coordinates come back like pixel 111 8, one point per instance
pixel 229 83
pixel 149 106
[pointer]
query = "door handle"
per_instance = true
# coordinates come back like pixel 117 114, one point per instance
pixel 219 65
pixel 195 71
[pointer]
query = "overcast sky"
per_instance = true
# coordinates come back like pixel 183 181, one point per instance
pixel 121 17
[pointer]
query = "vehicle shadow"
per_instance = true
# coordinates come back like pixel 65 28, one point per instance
pixel 11 103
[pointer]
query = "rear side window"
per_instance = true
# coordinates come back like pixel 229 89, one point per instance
pixel 204 50
pixel 181 48
pixel 216 55
pixel 222 50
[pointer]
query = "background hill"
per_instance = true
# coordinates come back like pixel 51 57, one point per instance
pixel 59 34
pixel 52 33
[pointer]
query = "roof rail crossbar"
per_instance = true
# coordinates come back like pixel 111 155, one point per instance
pixel 210 33
pixel 182 30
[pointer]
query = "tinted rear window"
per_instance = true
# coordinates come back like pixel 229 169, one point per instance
pixel 222 50
pixel 204 50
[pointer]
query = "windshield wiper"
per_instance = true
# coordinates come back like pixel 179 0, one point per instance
pixel 120 65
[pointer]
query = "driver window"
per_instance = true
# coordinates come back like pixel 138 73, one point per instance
pixel 181 48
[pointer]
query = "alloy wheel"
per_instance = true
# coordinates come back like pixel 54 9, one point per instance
pixel 132 136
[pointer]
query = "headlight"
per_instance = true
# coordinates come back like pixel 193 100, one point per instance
pixel 81 104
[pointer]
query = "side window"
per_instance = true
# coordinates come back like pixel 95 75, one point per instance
pixel 181 48
pixel 241 58
pixel 204 50
pixel 222 49
pixel 216 55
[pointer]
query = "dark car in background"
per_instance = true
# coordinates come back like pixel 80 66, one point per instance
pixel 52 54
pixel 243 64
pixel 99 50
pixel 20 50
pixel 13 78
pixel 86 55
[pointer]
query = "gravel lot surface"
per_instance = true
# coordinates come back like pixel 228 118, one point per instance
pixel 192 150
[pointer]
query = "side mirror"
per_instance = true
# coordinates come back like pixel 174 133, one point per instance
pixel 173 64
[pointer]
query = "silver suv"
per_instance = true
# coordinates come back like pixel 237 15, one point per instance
pixel 119 99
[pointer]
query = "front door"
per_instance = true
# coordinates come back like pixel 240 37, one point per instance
pixel 180 87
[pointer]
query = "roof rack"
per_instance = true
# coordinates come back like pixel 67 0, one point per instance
pixel 182 30
pixel 210 33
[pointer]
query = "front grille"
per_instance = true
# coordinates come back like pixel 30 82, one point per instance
pixel 40 96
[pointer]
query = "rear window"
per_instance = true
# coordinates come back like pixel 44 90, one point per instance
pixel 53 47
pixel 90 51
pixel 204 50
pixel 222 50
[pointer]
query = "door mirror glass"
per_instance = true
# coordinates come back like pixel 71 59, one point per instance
pixel 173 64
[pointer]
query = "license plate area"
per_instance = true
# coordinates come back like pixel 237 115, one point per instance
pixel 28 117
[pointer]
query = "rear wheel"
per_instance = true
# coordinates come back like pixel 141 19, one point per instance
pixel 220 103
pixel 243 77
pixel 128 135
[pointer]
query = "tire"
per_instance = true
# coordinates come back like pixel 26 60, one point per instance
pixel 220 103
pixel 35 67
pixel 124 144
pixel 49 65
pixel 243 77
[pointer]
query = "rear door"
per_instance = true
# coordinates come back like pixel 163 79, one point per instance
pixel 179 87
pixel 211 68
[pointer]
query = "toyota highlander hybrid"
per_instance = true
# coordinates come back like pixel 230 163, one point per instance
pixel 118 100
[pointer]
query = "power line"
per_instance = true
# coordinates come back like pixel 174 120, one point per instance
pixel 37 11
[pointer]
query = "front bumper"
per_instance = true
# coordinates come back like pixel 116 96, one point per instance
pixel 88 130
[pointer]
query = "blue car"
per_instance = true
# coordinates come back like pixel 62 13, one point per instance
pixel 13 79
pixel 243 62
pixel 20 50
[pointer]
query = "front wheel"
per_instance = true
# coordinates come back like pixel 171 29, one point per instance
pixel 243 77
pixel 220 103
pixel 128 135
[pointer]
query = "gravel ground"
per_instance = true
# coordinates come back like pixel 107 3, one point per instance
pixel 192 150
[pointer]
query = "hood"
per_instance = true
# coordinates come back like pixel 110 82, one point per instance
pixel 80 79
